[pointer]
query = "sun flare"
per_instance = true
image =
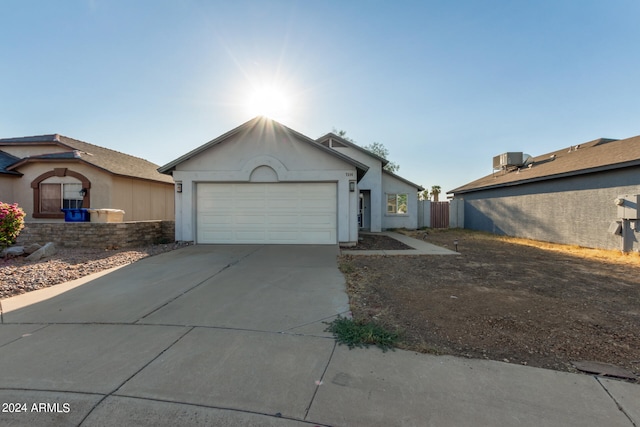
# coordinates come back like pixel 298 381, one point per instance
pixel 269 101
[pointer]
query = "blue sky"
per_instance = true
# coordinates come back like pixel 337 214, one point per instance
pixel 444 85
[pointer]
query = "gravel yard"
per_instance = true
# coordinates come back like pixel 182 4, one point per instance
pixel 18 276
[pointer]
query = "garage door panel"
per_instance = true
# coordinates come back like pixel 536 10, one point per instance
pixel 282 220
pixel 249 204
pixel 266 213
pixel 209 221
pixel 216 235
pixel 257 220
pixel 316 220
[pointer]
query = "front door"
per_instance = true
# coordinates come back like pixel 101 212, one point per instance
pixel 364 210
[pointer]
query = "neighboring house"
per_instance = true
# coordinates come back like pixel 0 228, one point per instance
pixel 263 182
pixel 566 196
pixel 44 174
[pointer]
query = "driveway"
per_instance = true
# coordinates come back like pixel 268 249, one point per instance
pixel 234 336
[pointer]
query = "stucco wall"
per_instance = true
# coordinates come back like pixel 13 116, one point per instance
pixel 6 188
pixel 292 160
pixel 23 193
pixel 372 181
pixel 575 210
pixel 142 200
pixel 391 185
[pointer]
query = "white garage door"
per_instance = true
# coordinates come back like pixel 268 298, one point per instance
pixel 283 213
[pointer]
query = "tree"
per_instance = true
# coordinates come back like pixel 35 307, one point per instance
pixel 423 195
pixel 380 150
pixel 376 148
pixel 342 134
pixel 435 192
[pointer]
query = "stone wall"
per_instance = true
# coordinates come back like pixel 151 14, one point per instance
pixel 99 235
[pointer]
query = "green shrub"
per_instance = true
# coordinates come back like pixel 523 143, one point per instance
pixel 361 334
pixel 11 222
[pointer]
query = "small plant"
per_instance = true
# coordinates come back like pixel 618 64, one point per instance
pixel 361 334
pixel 346 267
pixel 11 222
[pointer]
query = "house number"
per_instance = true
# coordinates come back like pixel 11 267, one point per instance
pixel 349 173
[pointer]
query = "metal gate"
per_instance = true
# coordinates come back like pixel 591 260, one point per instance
pixel 439 214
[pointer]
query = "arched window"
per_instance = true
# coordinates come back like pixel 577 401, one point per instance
pixel 59 189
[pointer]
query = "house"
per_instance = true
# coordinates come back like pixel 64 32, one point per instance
pixel 569 196
pixel 263 182
pixel 46 173
pixel 386 200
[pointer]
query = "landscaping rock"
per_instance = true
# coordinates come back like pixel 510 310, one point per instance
pixel 31 248
pixel 12 252
pixel 45 251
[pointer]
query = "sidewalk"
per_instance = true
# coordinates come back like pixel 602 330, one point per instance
pixel 419 247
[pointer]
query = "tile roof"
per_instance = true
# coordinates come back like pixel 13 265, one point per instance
pixel 109 160
pixel 590 157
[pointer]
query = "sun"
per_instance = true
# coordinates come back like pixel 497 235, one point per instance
pixel 269 101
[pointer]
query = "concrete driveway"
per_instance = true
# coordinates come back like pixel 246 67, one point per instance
pixel 234 336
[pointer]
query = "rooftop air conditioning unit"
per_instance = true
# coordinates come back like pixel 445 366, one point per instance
pixel 506 160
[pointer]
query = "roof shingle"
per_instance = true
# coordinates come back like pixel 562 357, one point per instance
pixel 593 156
pixel 109 160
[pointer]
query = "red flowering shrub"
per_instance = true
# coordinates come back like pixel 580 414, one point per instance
pixel 11 222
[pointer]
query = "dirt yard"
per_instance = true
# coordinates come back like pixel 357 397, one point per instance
pixel 504 299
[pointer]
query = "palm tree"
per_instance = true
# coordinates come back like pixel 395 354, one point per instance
pixel 435 192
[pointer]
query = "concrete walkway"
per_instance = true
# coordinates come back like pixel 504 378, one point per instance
pixel 234 336
pixel 419 247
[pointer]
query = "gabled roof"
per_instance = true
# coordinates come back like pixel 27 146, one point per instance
pixel 406 181
pixel 348 143
pixel 266 122
pixel 108 160
pixel 7 160
pixel 593 156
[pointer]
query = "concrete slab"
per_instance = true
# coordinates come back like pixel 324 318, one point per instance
pixel 51 408
pixel 128 294
pixel 368 387
pixel 294 255
pixel 10 333
pixel 419 247
pixel 626 395
pixel 33 297
pixel 318 328
pixel 274 300
pixel 250 295
pixel 258 372
pixel 82 358
pixel 123 411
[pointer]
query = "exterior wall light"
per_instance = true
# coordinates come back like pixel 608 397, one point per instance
pixel 178 187
pixel 352 186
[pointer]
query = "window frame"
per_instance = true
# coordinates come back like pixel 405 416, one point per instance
pixel 399 200
pixel 58 172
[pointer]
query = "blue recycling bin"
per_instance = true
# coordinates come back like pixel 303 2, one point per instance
pixel 76 215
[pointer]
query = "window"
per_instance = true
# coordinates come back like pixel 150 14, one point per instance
pixel 396 204
pixel 54 197
pixel 59 188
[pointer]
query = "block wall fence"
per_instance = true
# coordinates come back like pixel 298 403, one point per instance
pixel 98 235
